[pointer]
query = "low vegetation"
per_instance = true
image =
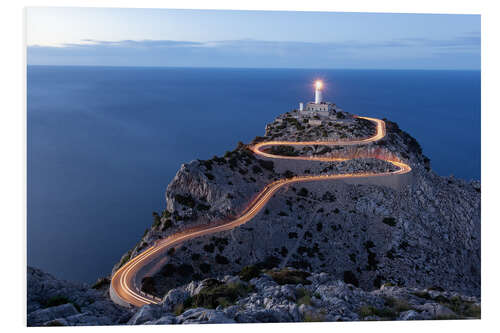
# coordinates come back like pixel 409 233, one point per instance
pixel 384 313
pixel 249 272
pixel 217 293
pixel 186 200
pixel 287 276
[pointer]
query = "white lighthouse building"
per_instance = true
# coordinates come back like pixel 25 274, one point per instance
pixel 318 107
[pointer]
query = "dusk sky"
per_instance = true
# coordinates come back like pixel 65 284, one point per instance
pixel 217 38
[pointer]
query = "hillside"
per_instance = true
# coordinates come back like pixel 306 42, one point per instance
pixel 420 234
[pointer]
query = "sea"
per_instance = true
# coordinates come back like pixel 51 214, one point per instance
pixel 104 142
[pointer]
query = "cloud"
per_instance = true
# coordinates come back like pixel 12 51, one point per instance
pixel 258 53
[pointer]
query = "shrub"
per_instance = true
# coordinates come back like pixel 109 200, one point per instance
pixel 171 251
pixel 463 309
pixel 368 310
pixel 203 207
pixel 195 256
pixel 292 235
pixel 148 285
pixel 301 264
pixel 422 294
pixel 185 269
pixel 397 304
pixel 286 276
pixel 390 221
pixel 125 258
pixel 218 293
pixel 268 263
pixel 256 169
pixel 349 277
pixel 209 248
pixel 221 260
pixel 156 220
pixel 167 224
pixel 209 176
pixel 185 200
pixel 303 296
pixel 303 192
pixel 314 317
pixel 100 283
pixel 249 272
pixel 168 270
pixel 205 268
pixel 282 213
pixel 268 165
pixel 56 301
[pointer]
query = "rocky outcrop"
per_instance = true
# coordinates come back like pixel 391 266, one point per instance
pixel 425 233
pixel 317 297
pixel 54 302
pixel 257 295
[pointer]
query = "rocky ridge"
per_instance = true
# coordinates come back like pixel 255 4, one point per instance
pixel 256 296
pixel 368 252
pixel 426 233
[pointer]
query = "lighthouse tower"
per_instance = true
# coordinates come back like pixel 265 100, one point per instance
pixel 318 107
pixel 317 95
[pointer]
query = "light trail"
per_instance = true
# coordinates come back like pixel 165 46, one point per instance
pixel 123 280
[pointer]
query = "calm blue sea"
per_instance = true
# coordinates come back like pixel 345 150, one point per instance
pixel 103 143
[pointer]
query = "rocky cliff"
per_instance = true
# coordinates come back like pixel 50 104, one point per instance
pixel 329 250
pixel 425 233
pixel 256 295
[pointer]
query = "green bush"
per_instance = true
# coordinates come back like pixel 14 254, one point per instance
pixel 384 313
pixel 303 296
pixel 218 293
pixel 314 317
pixel 249 272
pixel 286 276
pixel 156 220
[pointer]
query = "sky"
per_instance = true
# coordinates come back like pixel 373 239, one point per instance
pixel 261 39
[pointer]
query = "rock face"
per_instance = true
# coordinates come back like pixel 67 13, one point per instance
pixel 426 233
pixel 270 297
pixel 256 296
pixel 54 302
pixel 319 251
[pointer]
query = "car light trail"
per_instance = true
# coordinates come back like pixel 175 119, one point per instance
pixel 123 280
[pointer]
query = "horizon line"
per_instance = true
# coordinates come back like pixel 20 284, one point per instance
pixel 237 67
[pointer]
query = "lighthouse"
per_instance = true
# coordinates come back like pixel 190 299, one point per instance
pixel 317 96
pixel 318 107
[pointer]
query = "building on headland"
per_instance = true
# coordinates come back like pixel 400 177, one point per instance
pixel 318 108
pixel 314 113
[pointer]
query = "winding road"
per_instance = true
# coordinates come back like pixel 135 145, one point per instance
pixel 123 288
